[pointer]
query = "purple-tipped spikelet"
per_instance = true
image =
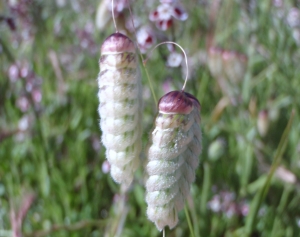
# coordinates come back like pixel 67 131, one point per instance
pixel 173 157
pixel 120 106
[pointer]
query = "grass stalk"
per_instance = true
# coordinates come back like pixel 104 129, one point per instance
pixel 258 199
pixel 142 58
pixel 189 220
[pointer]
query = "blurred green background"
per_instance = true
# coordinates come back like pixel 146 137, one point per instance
pixel 243 58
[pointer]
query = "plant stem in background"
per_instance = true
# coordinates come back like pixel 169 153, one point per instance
pixel 149 80
pixel 142 58
pixel 189 221
pixel 259 197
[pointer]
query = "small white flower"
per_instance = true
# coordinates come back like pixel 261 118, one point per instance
pixel 164 11
pixel 13 73
pixel 174 59
pixel 23 123
pixel 105 167
pixel 215 204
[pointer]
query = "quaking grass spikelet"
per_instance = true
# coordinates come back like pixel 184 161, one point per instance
pixel 120 106
pixel 173 157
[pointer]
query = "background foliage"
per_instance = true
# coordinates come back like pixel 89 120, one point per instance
pixel 50 149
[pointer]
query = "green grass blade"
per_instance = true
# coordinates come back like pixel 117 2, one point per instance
pixel 189 220
pixel 259 197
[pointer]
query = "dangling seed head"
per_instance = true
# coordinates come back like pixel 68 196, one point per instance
pixel 172 157
pixel 120 107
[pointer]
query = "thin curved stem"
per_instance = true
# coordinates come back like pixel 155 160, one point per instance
pixel 113 14
pixel 142 58
pixel 185 57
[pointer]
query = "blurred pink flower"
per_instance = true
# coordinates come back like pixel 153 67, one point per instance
pixel 145 38
pixel 225 202
pixel 13 73
pixel 36 95
pixel 105 167
pixel 244 208
pixel 232 210
pixel 24 71
pixel 215 204
pixel 23 104
pixel 163 15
